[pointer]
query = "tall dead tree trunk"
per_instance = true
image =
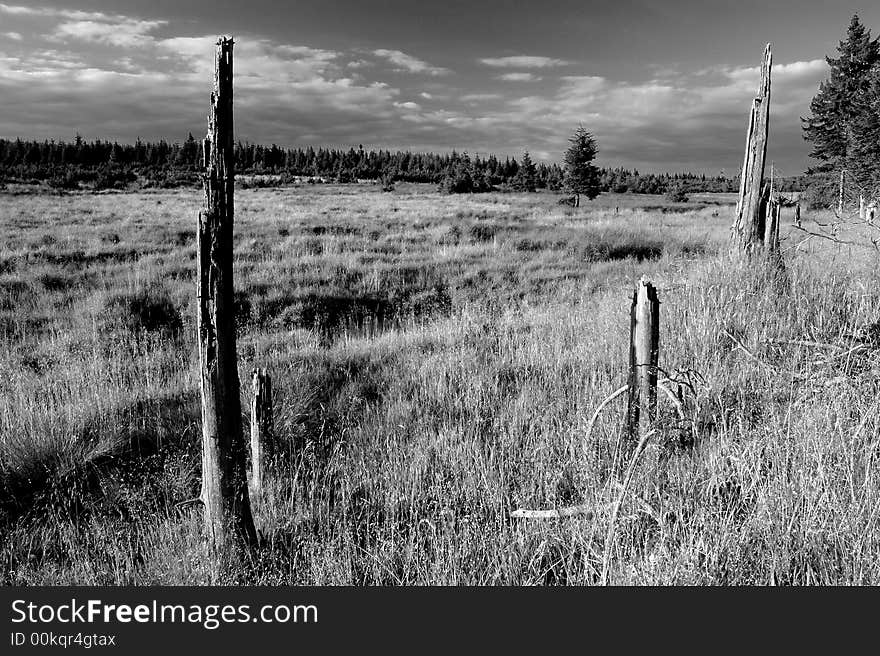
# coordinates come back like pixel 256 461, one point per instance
pixel 228 519
pixel 840 192
pixel 749 225
pixel 644 352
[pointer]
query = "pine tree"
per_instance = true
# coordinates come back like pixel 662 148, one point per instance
pixel 526 177
pixel 864 155
pixel 581 176
pixel 835 107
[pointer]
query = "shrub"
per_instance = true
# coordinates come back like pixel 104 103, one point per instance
pixel 483 232
pixel 149 310
pixel 676 194
pixel 112 177
pixel 820 194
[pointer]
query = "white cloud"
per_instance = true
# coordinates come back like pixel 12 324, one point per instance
pixel 479 97
pixel 426 95
pixel 125 33
pixel 408 63
pixel 523 61
pixel 519 77
pixel 15 36
pixel 71 14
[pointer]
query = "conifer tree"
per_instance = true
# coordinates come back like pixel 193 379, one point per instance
pixel 526 177
pixel 839 102
pixel 581 176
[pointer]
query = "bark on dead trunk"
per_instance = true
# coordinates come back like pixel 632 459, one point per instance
pixel 261 435
pixel 749 224
pixel 643 358
pixel 228 520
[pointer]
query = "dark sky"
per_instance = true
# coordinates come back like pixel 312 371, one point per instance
pixel 662 85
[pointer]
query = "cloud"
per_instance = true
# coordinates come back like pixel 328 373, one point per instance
pixel 519 77
pixel 480 97
pixel 125 33
pixel 15 36
pixel 408 63
pixel 72 14
pixel 523 61
pixel 118 77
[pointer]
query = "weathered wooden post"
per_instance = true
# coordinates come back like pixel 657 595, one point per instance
pixel 228 519
pixel 748 228
pixel 261 433
pixel 644 351
pixel 797 214
pixel 840 193
pixel 861 206
pixel 771 231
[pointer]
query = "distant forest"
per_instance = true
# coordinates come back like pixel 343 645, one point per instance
pixel 111 165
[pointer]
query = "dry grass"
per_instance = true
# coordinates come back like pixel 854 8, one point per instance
pixel 437 360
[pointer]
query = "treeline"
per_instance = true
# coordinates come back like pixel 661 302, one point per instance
pixel 110 165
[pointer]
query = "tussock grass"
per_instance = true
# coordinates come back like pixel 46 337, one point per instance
pixel 436 360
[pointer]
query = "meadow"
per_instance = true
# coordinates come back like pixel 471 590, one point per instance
pixel 437 360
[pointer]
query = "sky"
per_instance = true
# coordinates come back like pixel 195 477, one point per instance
pixel 663 85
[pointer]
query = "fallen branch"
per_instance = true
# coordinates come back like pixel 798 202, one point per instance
pixel 745 350
pixel 601 407
pixel 182 504
pixel 673 398
pixel 558 513
pixel 609 538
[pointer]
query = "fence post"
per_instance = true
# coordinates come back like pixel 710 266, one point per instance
pixel 228 519
pixel 261 433
pixel 644 354
pixel 771 229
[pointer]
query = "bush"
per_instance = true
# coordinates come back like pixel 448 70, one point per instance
pixel 820 194
pixel 112 177
pixel 144 311
pixel 676 194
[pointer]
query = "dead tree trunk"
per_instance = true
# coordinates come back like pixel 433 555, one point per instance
pixel 228 519
pixel 840 193
pixel 797 214
pixel 749 224
pixel 644 353
pixel 261 434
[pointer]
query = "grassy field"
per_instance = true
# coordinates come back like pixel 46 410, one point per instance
pixel 437 360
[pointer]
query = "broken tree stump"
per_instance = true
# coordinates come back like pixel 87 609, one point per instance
pixel 229 522
pixel 771 228
pixel 261 434
pixel 644 353
pixel 748 228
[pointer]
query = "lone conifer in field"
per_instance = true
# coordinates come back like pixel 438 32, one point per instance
pixel 581 176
